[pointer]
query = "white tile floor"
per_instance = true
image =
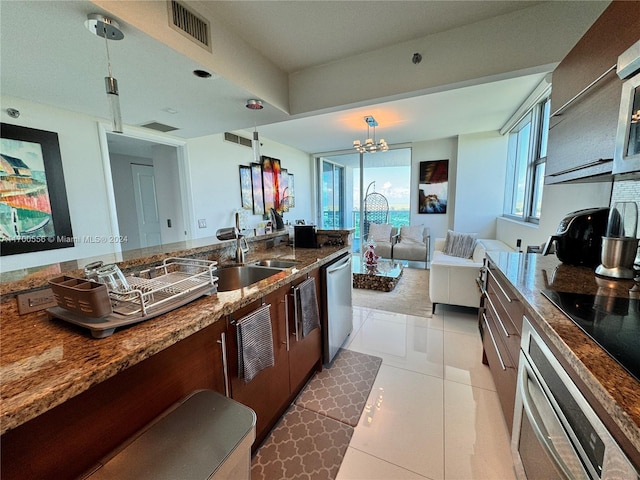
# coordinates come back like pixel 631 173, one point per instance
pixel 433 412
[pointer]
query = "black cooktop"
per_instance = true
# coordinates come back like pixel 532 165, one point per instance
pixel 612 322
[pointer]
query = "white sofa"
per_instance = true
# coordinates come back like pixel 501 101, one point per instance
pixel 452 280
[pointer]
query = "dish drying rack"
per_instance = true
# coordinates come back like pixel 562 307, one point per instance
pixel 150 293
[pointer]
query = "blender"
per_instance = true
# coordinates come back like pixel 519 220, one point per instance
pixel 620 245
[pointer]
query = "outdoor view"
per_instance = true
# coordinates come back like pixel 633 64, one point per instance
pixel 393 183
pixel 387 174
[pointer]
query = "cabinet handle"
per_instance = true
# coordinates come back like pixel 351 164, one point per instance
pixel 225 364
pixel 600 161
pixel 286 321
pixel 497 317
pixel 583 91
pixel 493 340
pixel 499 286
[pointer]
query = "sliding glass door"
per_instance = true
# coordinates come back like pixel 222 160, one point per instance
pixel 345 179
pixel 332 194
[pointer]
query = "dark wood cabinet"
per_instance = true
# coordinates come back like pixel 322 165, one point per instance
pixel 305 354
pixel 268 392
pixel 271 391
pixel 501 329
pixel 70 439
pixel 582 136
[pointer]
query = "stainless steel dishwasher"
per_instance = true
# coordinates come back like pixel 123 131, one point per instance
pixel 337 318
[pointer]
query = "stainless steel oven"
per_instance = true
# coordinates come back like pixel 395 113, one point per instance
pixel 556 433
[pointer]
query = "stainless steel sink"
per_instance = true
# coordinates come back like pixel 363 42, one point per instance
pixel 238 276
pixel 276 263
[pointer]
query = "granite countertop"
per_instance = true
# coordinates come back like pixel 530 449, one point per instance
pixel 44 363
pixel 615 389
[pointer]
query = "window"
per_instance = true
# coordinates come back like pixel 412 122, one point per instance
pixel 526 157
pixel 332 195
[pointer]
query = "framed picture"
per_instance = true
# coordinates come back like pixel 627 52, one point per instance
pixel 284 190
pixel 433 185
pixel 245 188
pixel 34 213
pixel 271 183
pixel 291 194
pixel 256 189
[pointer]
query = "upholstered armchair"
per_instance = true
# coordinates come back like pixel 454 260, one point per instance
pixel 412 244
pixel 384 235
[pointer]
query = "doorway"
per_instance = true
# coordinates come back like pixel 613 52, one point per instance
pixel 148 194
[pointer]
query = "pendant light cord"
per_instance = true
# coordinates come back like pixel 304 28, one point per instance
pixel 106 43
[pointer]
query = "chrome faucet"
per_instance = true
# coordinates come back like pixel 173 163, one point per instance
pixel 240 250
pixel 230 233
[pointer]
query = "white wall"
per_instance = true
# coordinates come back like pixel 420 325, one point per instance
pixel 480 178
pixel 166 172
pixel 212 174
pixel 444 149
pixel 215 184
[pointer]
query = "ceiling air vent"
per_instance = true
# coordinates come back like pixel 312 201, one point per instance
pixel 188 23
pixel 160 127
pixel 233 138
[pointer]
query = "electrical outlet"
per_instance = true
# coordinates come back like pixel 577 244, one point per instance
pixel 202 223
pixel 35 301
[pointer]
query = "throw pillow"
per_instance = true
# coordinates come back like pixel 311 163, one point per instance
pixel 460 244
pixel 380 232
pixel 412 234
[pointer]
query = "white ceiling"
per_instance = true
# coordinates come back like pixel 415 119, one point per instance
pixel 47 56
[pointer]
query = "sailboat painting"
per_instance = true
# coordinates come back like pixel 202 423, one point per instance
pixel 30 172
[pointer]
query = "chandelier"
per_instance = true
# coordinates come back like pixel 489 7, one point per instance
pixel 370 145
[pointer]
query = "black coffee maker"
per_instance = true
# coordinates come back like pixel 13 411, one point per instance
pixel 578 239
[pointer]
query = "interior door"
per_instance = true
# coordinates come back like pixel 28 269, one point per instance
pixel 144 187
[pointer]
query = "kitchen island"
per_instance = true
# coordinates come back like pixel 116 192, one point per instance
pixel 612 392
pixel 47 365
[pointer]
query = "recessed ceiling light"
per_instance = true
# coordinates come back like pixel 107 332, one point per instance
pixel 202 73
pixel 170 110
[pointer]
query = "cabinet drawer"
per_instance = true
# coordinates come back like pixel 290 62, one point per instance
pixel 503 370
pixel 503 327
pixel 505 301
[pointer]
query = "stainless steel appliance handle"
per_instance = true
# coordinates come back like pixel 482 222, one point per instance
pixel 493 340
pixel 225 364
pixel 497 317
pixel 340 265
pixel 286 321
pixel 499 286
pixel 532 414
pixel 295 314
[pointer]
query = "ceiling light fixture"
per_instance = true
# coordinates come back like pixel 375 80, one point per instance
pixel 370 145
pixel 109 30
pixel 256 105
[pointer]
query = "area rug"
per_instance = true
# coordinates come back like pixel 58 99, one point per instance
pixel 410 297
pixel 311 438
pixel 303 445
pixel 340 392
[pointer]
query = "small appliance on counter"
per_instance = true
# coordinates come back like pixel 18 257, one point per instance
pixel 620 244
pixel 305 236
pixel 578 239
